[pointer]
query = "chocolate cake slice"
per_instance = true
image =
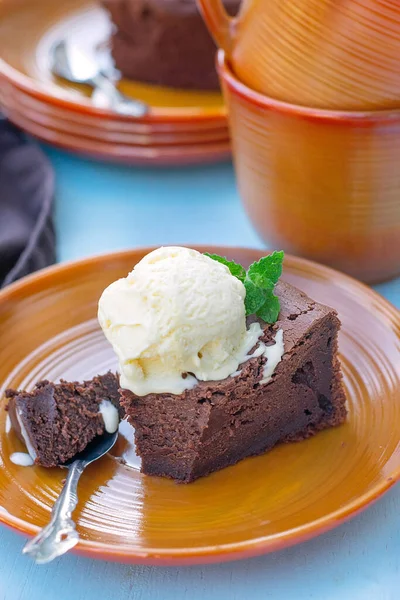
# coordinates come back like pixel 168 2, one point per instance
pixel 218 423
pixel 164 42
pixel 57 421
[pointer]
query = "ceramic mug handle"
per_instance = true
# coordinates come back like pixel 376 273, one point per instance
pixel 219 23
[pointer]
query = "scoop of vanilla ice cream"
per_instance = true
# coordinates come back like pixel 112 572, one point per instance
pixel 178 317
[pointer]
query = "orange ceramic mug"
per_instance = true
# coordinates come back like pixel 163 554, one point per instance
pixel 319 53
pixel 321 184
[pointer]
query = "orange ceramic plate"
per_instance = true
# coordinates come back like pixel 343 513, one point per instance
pixel 294 492
pixel 103 130
pixel 28 30
pixel 125 152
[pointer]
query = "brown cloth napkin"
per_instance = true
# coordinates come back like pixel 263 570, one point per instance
pixel 27 240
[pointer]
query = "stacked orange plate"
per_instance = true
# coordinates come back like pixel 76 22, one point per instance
pixel 182 127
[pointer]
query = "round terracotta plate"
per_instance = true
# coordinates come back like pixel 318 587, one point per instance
pixel 123 151
pixel 29 29
pixel 182 128
pixel 292 493
pixel 57 119
pixel 124 145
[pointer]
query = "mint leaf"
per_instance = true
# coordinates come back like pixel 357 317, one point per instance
pixel 269 311
pixel 266 272
pixel 254 298
pixel 259 282
pixel 236 270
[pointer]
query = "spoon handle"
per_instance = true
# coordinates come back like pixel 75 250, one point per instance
pixel 119 102
pixel 60 534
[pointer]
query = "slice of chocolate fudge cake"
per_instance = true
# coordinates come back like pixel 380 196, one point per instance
pixel 291 389
pixel 218 362
pixel 56 421
pixel 164 42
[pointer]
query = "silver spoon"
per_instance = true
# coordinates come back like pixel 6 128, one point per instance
pixel 60 534
pixel 69 63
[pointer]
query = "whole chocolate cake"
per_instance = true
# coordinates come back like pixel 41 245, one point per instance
pixel 57 421
pixel 164 42
pixel 217 423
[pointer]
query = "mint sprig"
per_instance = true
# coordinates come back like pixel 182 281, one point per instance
pixel 259 282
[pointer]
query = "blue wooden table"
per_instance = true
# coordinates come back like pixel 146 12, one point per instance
pixel 102 208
